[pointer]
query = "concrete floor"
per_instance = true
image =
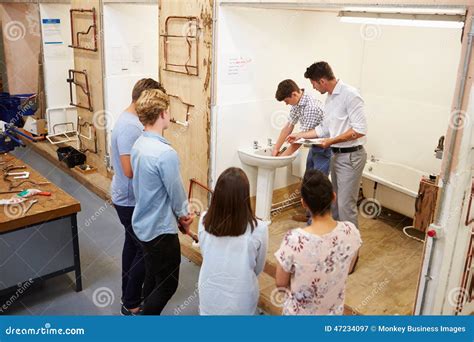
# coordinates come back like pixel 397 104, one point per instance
pixel 100 244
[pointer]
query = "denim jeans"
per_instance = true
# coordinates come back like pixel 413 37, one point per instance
pixel 318 159
pixel 133 264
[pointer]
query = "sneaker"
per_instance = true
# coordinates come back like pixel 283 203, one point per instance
pixel 126 312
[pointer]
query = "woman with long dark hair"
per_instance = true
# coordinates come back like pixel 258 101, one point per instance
pixel 233 243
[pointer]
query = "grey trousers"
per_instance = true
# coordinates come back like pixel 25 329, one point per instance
pixel 346 175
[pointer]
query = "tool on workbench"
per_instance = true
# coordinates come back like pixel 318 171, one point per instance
pixel 18 175
pixel 13 186
pixel 9 192
pixel 12 201
pixel 10 137
pixel 30 204
pixel 12 167
pixel 33 192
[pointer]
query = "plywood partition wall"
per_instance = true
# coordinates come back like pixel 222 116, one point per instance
pixel 21 44
pixel 192 142
pixel 91 63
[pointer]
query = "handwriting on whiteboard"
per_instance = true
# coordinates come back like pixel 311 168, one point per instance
pixel 237 69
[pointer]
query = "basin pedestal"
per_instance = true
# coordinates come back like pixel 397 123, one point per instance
pixel 265 182
pixel 266 165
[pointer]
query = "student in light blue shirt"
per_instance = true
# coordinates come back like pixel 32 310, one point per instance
pixel 233 244
pixel 161 203
pixel 126 131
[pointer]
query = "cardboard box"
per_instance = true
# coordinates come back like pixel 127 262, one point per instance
pixel 35 126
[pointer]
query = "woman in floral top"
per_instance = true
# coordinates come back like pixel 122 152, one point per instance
pixel 314 262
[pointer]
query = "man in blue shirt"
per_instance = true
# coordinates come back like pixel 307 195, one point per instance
pixel 162 205
pixel 126 131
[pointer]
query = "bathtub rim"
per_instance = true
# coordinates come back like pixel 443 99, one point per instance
pixel 375 178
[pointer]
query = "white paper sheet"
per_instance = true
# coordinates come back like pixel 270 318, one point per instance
pixel 317 141
pixel 237 69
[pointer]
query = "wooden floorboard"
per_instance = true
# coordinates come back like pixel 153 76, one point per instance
pixel 386 276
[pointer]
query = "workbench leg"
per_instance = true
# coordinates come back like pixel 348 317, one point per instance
pixel 77 259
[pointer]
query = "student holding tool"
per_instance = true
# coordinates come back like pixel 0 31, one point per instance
pixel 309 113
pixel 161 202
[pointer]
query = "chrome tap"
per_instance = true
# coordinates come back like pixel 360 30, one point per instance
pixel 270 143
pixel 256 146
pixel 373 159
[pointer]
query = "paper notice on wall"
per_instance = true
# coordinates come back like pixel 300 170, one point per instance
pixel 137 56
pixel 52 38
pixel 52 32
pixel 125 60
pixel 237 69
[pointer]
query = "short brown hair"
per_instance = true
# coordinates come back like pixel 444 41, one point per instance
pixel 150 105
pixel 143 84
pixel 230 212
pixel 285 89
pixel 319 70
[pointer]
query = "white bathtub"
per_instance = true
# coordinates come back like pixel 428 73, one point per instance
pixel 397 185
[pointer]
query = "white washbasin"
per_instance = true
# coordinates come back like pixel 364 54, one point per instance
pixel 266 166
pixel 263 158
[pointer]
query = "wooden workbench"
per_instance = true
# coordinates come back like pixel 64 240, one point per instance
pixel 42 242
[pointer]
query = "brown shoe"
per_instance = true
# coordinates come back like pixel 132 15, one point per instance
pixel 300 218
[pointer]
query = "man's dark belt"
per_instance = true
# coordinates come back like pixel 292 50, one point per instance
pixel 346 149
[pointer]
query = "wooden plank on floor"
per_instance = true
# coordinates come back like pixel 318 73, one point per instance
pixel 95 182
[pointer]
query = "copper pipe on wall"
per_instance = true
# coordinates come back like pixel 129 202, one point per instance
pixel 76 43
pixel 85 88
pixel 192 182
pixel 189 106
pixel 191 69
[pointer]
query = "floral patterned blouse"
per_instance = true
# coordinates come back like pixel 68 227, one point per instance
pixel 319 266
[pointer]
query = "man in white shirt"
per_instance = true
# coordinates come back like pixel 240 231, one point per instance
pixel 344 129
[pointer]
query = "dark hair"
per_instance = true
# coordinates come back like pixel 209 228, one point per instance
pixel 144 84
pixel 285 89
pixel 230 213
pixel 319 70
pixel 317 192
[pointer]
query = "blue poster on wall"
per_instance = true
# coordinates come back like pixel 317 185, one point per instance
pixel 52 32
